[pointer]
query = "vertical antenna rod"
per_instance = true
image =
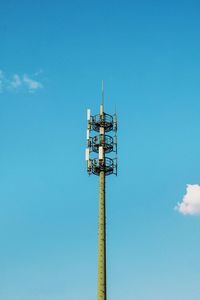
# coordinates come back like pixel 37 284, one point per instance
pixel 103 93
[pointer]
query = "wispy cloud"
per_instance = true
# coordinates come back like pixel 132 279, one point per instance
pixel 31 84
pixel 190 204
pixel 17 82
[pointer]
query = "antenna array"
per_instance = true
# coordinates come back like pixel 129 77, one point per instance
pixel 102 144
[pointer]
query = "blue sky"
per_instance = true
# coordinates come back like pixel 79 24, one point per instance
pixel 53 56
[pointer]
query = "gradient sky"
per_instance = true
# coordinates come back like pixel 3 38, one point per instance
pixel 53 56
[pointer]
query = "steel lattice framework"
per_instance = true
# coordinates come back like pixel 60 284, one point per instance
pixel 102 143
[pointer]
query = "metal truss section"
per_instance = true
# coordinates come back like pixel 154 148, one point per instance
pixel 106 141
pixel 109 166
pixel 102 120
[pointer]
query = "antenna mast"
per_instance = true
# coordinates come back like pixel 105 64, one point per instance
pixel 103 93
pixel 99 144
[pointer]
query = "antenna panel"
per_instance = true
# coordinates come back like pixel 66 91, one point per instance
pixel 101 153
pixel 88 114
pixel 88 134
pixel 87 154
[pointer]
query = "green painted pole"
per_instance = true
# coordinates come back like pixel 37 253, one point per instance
pixel 102 239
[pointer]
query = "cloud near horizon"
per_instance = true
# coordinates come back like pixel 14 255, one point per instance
pixel 17 82
pixel 190 204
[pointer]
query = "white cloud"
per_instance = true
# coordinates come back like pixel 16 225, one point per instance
pixel 190 204
pixel 16 81
pixel 31 84
pixel 40 71
pixel 19 82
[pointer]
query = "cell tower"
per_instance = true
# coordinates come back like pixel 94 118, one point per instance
pixel 99 145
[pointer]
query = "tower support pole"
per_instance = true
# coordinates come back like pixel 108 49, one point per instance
pixel 102 239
